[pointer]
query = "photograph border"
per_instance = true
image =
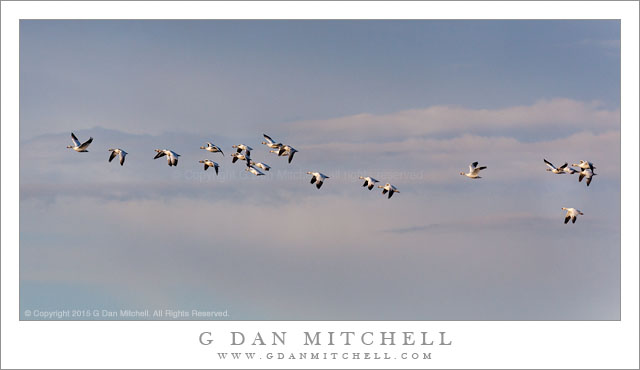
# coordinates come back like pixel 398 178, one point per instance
pixel 629 187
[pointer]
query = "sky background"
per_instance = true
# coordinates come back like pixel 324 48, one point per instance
pixel 407 102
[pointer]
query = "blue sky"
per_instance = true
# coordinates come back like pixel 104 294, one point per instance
pixel 410 102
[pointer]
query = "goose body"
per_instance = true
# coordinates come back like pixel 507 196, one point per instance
pixel 260 165
pixel 172 157
pixel 254 171
pixel 77 146
pixel 120 153
pixel 585 165
pixel 241 147
pixel 208 163
pixel 553 169
pixel 569 170
pixel 240 156
pixel 572 214
pixel 369 182
pixel 212 148
pixel 586 173
pixel 270 143
pixel 474 171
pixel 388 188
pixel 317 178
pixel 287 150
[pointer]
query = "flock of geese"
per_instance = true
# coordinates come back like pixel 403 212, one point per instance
pixel 585 170
pixel 243 153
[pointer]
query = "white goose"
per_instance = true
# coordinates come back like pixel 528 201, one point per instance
pixel 254 171
pixel 474 172
pixel 553 169
pixel 586 173
pixel 570 170
pixel 388 188
pixel 77 146
pixel 287 150
pixel 585 165
pixel 172 157
pixel 318 178
pixel 572 214
pixel 369 182
pixel 119 152
pixel 242 157
pixel 241 147
pixel 208 163
pixel 270 143
pixel 261 165
pixel 212 148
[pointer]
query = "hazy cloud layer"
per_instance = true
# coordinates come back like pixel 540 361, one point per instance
pixel 264 247
pixel 544 119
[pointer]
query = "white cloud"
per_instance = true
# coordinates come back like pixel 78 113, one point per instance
pixel 554 115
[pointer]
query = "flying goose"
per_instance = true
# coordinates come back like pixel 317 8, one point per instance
pixel 119 152
pixel 318 178
pixel 212 148
pixel 172 157
pixel 474 172
pixel 287 150
pixel 586 173
pixel 261 165
pixel 584 165
pixel 254 171
pixel 208 163
pixel 77 146
pixel 241 147
pixel 388 188
pixel 368 182
pixel 570 170
pixel 242 157
pixel 572 214
pixel 552 168
pixel 270 143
